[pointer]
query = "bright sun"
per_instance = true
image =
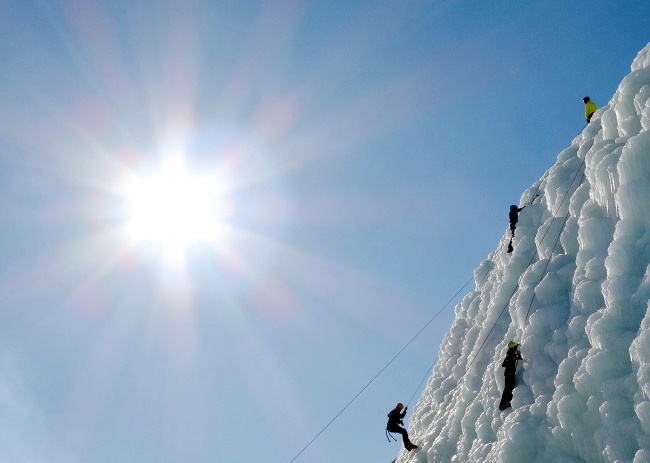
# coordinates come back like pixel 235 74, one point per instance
pixel 172 209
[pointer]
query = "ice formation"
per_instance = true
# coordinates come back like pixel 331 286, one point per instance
pixel 575 293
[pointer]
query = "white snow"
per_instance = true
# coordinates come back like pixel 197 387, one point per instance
pixel 580 309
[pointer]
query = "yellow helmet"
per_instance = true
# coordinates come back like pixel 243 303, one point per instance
pixel 512 344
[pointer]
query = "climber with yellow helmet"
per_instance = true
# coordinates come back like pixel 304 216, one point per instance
pixel 510 364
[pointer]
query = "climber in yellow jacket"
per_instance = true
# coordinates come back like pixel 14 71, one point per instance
pixel 590 108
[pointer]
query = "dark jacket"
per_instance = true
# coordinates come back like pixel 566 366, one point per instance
pixel 395 418
pixel 510 362
pixel 514 215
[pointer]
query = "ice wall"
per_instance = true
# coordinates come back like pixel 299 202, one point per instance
pixel 576 294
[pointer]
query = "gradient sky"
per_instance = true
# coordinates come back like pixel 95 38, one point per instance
pixel 367 153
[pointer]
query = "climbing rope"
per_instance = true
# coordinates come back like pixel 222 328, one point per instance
pixel 548 261
pixel 382 370
pixel 584 173
pixel 428 372
pixel 455 389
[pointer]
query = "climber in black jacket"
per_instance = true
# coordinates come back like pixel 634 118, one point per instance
pixel 510 364
pixel 514 217
pixel 395 418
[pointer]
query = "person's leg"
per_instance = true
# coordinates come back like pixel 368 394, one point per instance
pixel 405 436
pixel 506 398
pixel 503 403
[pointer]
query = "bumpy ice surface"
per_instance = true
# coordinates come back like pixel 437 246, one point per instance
pixel 575 293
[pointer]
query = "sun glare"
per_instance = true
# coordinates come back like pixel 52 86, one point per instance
pixel 172 209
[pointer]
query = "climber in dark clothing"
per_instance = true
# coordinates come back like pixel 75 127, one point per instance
pixel 510 364
pixel 514 217
pixel 395 418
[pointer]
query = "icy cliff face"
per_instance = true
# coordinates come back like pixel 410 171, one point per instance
pixel 575 293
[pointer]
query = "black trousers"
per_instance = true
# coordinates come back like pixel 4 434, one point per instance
pixel 400 430
pixel 508 388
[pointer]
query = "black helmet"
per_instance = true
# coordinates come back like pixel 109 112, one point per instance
pixel 513 207
pixel 585 99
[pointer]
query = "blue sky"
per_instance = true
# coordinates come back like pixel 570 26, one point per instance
pixel 366 153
